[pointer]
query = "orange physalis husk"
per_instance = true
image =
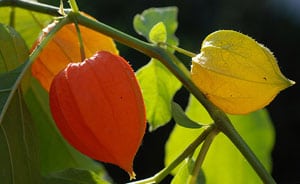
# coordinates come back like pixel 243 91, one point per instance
pixel 64 48
pixel 98 107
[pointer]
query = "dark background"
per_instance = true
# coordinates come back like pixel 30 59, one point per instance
pixel 275 23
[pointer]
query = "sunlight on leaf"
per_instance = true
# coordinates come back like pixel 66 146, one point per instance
pixel 158 87
pixel 236 73
pixel 224 163
pixel 185 172
pixel 29 24
pixel 158 84
pixel 158 33
pixel 143 23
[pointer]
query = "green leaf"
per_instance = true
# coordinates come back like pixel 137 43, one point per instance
pixel 19 155
pixel 7 81
pixel 29 24
pixel 56 154
pixel 13 52
pixel 158 33
pixel 158 87
pixel 74 176
pixel 143 23
pixel 223 160
pixel 181 118
pixel 157 83
pixel 185 172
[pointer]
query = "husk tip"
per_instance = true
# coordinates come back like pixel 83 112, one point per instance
pixel 132 175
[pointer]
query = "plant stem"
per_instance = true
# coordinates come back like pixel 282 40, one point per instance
pixel 12 17
pixel 188 151
pixel 181 50
pixel 74 6
pixel 81 44
pixel 201 155
pixel 34 6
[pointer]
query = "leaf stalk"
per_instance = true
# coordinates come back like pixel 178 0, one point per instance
pixel 188 151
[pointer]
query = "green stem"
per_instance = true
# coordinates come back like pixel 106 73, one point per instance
pixel 199 161
pixel 181 50
pixel 81 45
pixel 34 6
pixel 12 17
pixel 188 151
pixel 30 60
pixel 74 6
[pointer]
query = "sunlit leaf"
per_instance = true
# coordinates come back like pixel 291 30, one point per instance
pixel 236 73
pixel 64 48
pixel 143 23
pixel 158 87
pixel 74 176
pixel 157 83
pixel 224 163
pixel 29 24
pixel 185 172
pixel 158 33
pixel 181 118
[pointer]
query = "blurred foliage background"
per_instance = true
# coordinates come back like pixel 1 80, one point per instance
pixel 275 23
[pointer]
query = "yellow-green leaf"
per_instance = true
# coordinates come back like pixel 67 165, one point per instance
pixel 236 73
pixel 224 163
pixel 158 33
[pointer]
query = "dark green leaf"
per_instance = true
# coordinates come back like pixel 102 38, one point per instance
pixel 75 176
pixel 13 52
pixel 181 118
pixel 7 81
pixel 158 87
pixel 19 156
pixel 56 154
pixel 223 160
pixel 143 23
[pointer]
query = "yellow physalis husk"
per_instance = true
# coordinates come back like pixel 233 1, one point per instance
pixel 236 73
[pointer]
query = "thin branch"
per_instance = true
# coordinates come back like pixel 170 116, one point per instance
pixel 188 151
